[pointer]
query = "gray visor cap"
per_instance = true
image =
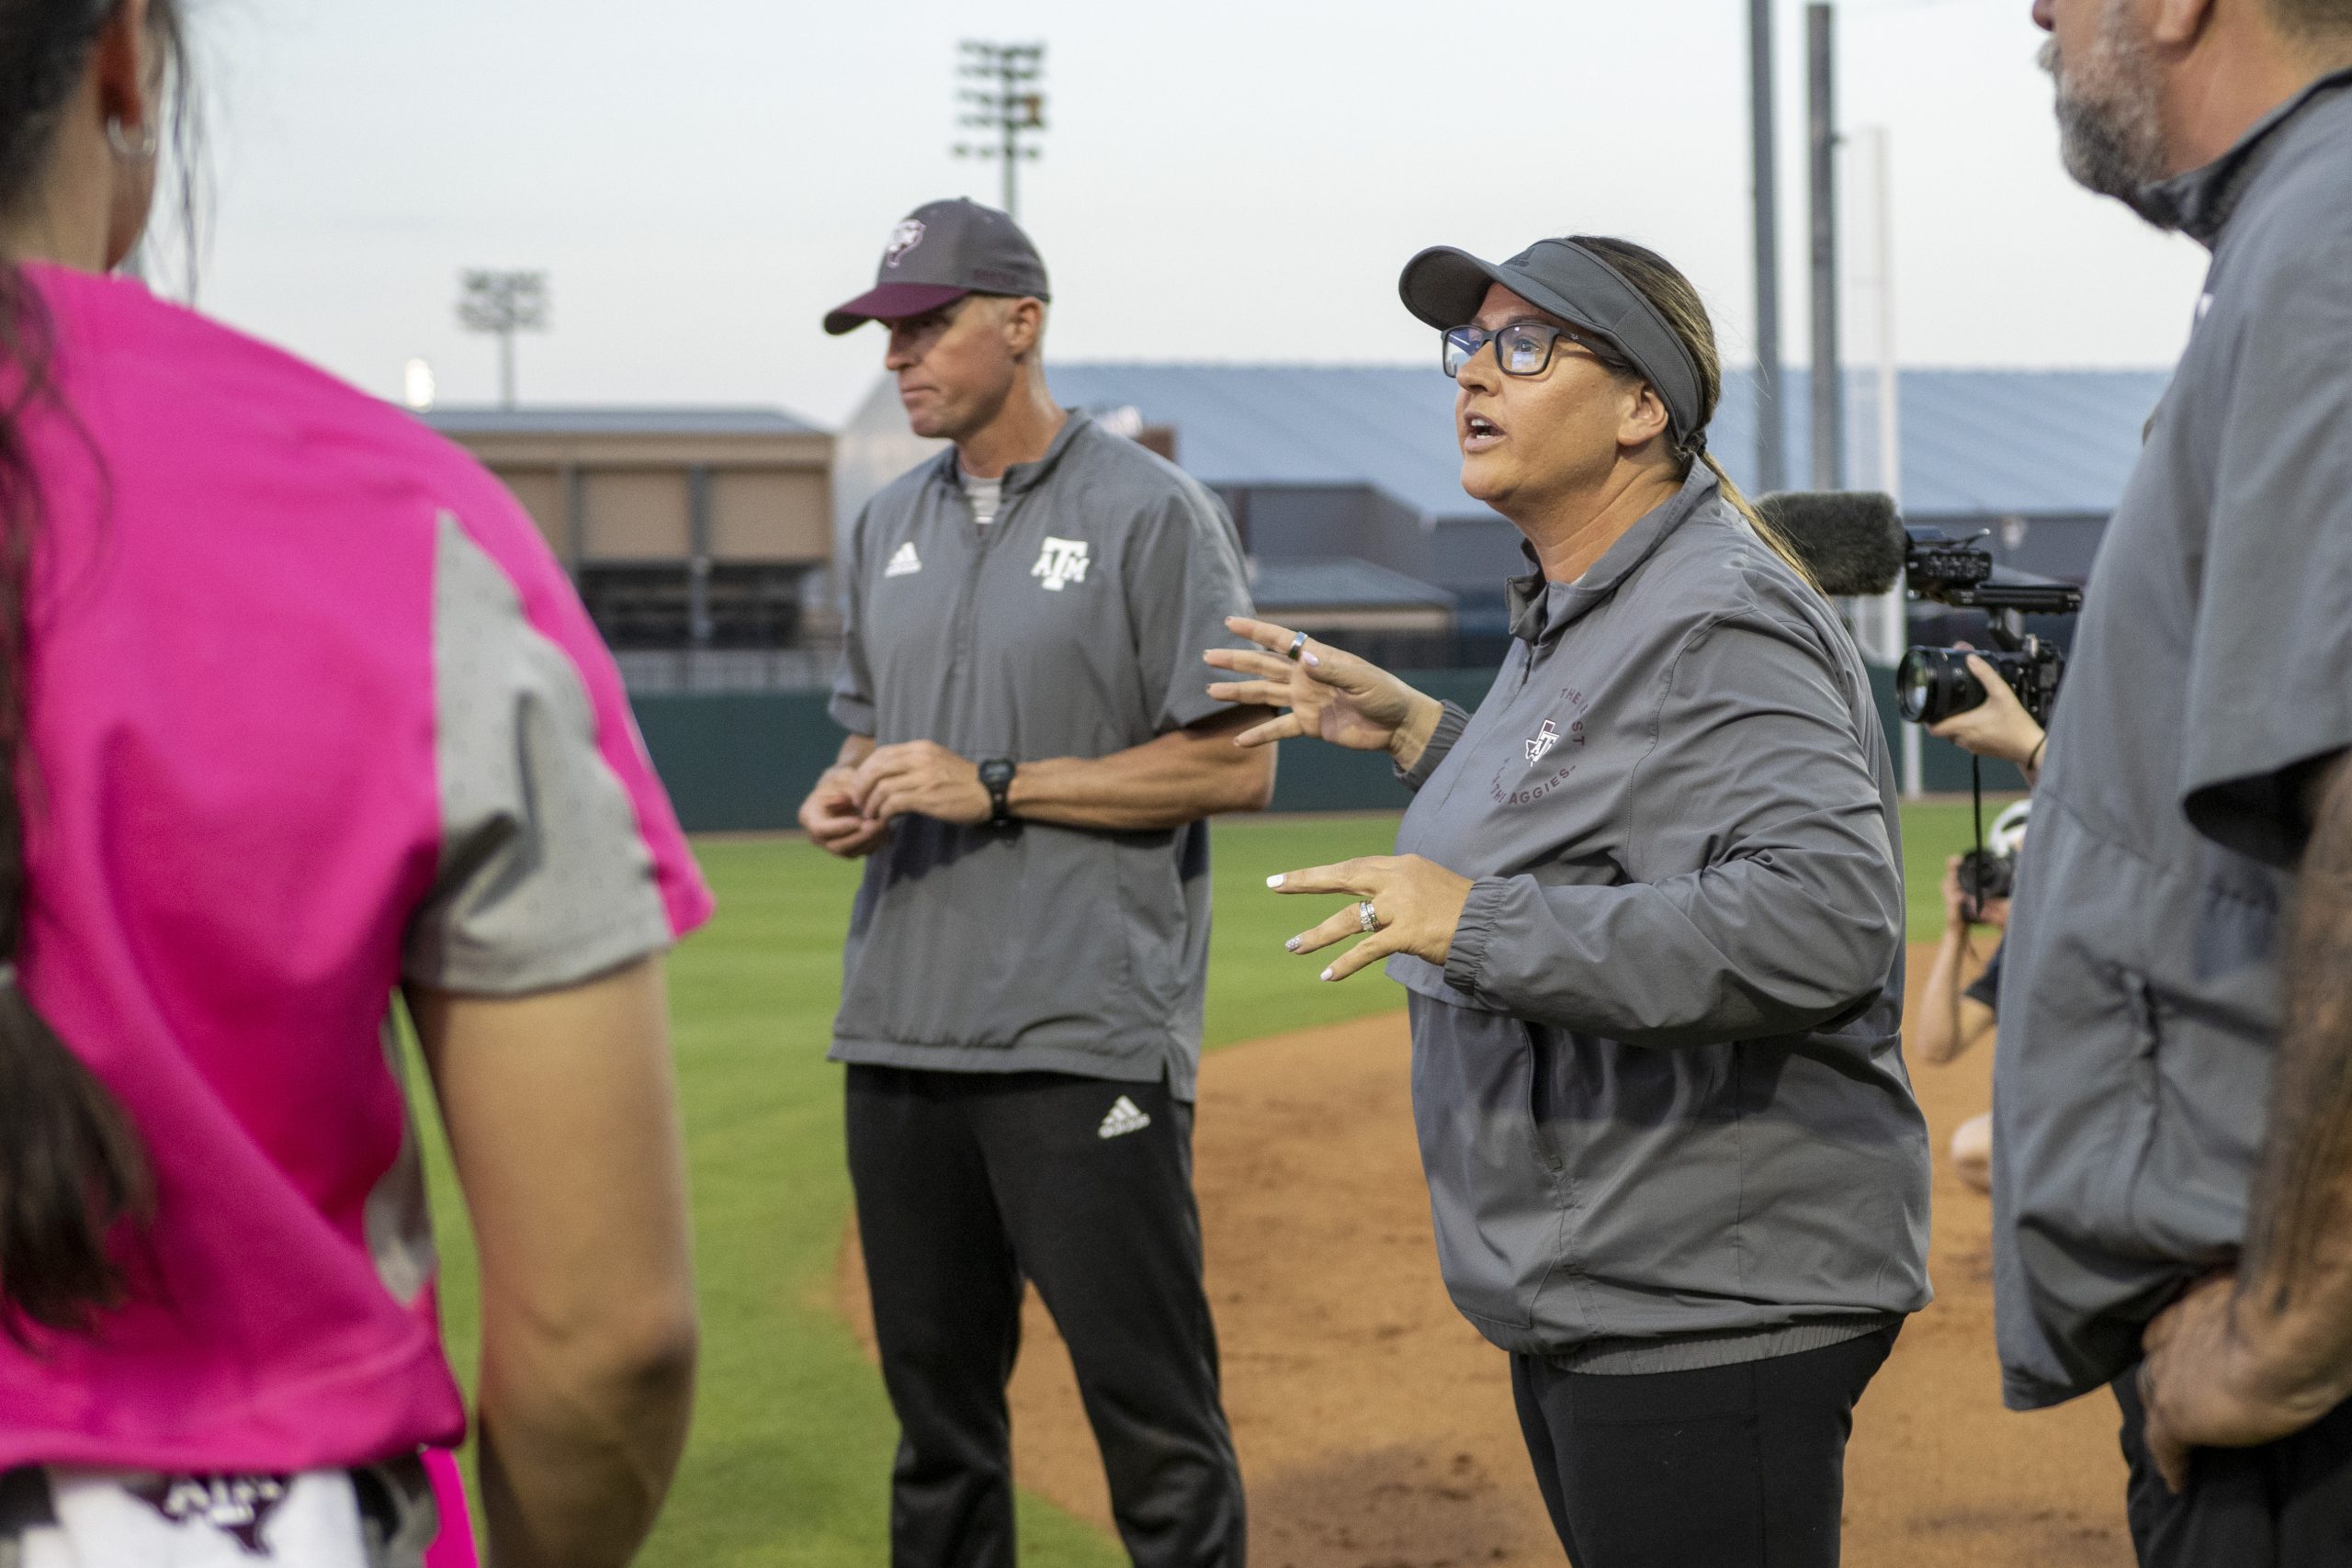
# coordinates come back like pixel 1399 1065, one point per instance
pixel 1444 287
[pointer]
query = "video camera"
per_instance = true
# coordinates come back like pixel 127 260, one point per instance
pixel 1857 546
pixel 1933 683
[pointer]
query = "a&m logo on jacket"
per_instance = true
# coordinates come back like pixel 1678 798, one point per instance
pixel 1513 786
pixel 1061 562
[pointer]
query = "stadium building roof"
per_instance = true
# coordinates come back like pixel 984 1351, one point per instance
pixel 2035 443
pixel 557 420
pixel 1340 581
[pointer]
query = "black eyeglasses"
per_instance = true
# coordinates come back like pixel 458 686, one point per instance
pixel 1522 348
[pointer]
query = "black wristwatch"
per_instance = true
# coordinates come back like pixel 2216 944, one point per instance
pixel 996 777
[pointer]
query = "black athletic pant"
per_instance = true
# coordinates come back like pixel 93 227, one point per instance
pixel 2283 1504
pixel 967 1184
pixel 1731 1467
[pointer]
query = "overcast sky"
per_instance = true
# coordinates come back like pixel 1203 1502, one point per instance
pixel 1223 179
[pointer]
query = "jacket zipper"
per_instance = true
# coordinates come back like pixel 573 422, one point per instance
pixel 963 635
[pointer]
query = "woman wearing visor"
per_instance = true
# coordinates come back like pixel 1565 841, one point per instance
pixel 1648 906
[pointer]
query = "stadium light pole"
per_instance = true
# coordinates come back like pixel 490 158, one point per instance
pixel 1007 103
pixel 1771 434
pixel 1828 384
pixel 503 304
pixel 1885 621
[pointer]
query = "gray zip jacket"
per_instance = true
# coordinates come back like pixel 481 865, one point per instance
pixel 1071 626
pixel 1658 1082
pixel 2144 985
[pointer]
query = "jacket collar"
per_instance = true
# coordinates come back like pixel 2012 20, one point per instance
pixel 1541 610
pixel 1019 477
pixel 2200 203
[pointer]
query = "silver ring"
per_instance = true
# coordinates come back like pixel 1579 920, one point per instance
pixel 1366 918
pixel 1297 645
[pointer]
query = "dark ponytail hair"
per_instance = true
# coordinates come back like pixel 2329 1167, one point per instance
pixel 1677 300
pixel 70 1164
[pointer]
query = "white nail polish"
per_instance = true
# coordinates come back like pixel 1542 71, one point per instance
pixel 1292 945
pixel 1327 974
pixel 1274 881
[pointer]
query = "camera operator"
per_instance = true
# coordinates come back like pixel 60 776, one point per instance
pixel 1998 728
pixel 1954 1019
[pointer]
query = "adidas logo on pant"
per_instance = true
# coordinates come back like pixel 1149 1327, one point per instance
pixel 1124 1117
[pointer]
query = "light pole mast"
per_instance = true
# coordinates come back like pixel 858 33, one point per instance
pixel 1771 440
pixel 1007 103
pixel 502 304
pixel 1828 375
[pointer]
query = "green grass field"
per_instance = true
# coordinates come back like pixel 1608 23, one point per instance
pixel 790 1455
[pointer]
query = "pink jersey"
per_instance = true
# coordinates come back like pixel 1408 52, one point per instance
pixel 313 711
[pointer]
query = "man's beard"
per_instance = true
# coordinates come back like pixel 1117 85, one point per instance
pixel 2109 133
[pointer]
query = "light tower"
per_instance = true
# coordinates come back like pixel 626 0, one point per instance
pixel 1004 101
pixel 502 304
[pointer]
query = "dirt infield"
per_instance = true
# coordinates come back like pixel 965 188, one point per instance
pixel 1375 1426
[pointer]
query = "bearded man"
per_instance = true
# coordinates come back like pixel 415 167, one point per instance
pixel 2173 1102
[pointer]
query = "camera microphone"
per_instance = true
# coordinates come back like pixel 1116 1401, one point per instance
pixel 1851 541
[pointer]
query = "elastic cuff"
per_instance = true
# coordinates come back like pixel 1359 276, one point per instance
pixel 1467 955
pixel 1450 722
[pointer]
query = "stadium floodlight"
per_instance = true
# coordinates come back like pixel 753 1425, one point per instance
pixel 502 304
pixel 416 385
pixel 1008 104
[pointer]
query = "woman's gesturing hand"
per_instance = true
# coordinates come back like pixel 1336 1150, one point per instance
pixel 1331 696
pixel 1414 906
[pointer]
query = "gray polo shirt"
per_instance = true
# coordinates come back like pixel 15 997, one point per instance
pixel 2140 1006
pixel 1658 1081
pixel 1071 625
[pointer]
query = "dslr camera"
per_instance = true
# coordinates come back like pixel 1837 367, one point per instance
pixel 1989 871
pixel 1986 874
pixel 1933 683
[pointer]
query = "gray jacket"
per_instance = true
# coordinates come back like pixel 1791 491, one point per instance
pixel 1071 626
pixel 1658 1081
pixel 2141 997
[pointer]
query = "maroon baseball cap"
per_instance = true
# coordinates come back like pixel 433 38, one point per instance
pixel 939 253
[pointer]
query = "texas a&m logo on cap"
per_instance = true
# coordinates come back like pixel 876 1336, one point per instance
pixel 903 238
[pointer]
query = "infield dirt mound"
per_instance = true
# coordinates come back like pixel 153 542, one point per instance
pixel 1375 1426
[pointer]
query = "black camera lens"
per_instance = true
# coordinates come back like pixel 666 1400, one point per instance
pixel 1986 874
pixel 1933 683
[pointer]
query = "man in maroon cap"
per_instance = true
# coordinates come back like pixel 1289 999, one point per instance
pixel 1032 756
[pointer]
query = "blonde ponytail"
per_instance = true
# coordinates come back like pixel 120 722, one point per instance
pixel 1766 530
pixel 1672 295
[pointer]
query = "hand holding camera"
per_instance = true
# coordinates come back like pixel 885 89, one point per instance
pixel 1998 725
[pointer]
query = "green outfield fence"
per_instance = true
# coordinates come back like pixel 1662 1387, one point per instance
pixel 741 761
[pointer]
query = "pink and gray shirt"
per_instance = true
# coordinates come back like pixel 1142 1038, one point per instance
pixel 313 713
